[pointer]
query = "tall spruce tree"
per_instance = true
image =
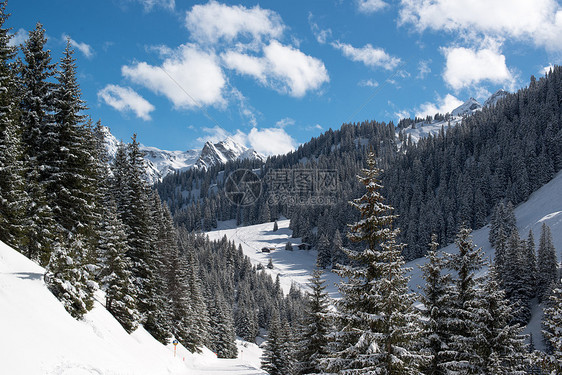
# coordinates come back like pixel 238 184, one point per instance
pixel 13 196
pixel 463 354
pixel 315 327
pixel 377 323
pixel 551 361
pixel 37 117
pixel 436 298
pixel 274 359
pixel 547 264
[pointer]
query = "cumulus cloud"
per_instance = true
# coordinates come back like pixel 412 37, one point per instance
pixel 281 67
pixel 271 141
pixel 19 37
pixel 370 6
pixel 368 55
pixel 86 49
pixel 266 141
pixel 442 105
pixel 465 67
pixel 539 21
pixel 126 99
pixel 189 78
pixel 213 21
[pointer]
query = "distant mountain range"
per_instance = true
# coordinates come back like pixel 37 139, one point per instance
pixel 160 163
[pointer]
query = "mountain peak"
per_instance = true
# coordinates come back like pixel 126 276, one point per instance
pixel 492 100
pixel 467 108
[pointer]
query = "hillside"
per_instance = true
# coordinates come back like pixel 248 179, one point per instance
pixel 543 206
pixel 40 337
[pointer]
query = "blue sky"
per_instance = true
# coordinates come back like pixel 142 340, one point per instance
pixel 273 74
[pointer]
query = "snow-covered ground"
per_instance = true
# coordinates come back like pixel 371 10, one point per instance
pixel 38 336
pixel 291 266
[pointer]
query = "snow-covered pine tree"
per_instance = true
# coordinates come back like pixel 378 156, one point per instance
pixel 37 104
pixel 463 352
pixel 69 277
pixel 517 289
pixel 222 340
pixel 551 362
pixel 115 276
pixel 530 260
pixel 72 181
pixel 13 196
pixel 338 255
pixel 245 316
pixel 499 344
pixel 547 264
pixel 324 257
pixel 274 359
pixel 436 298
pixel 378 325
pixel 275 226
pixel 315 327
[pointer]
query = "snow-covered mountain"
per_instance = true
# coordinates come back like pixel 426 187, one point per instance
pixel 424 128
pixel 492 100
pixel 160 163
pixel 224 151
pixel 467 108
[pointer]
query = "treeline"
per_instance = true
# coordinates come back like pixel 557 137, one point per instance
pixel 94 224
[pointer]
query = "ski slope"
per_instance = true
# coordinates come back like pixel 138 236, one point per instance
pixel 292 266
pixel 38 336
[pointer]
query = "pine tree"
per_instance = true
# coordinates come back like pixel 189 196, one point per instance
pixel 115 276
pixel 274 359
pixel 69 277
pixel 222 327
pixel 463 351
pixel 315 327
pixel 37 105
pixel 338 256
pixel 436 298
pixel 500 345
pixel 324 257
pixel 551 362
pixel 378 325
pixel 275 226
pixel 546 262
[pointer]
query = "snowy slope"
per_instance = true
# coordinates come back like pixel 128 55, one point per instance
pixel 467 108
pixel 37 336
pixel 291 266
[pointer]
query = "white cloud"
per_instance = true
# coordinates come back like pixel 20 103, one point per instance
pixel 443 105
pixel 148 5
pixel 190 78
pixel 283 68
pixel 126 99
pixel 546 69
pixel 539 21
pixel 423 69
pixel 287 121
pixel 321 35
pixel 368 55
pixel 401 115
pixel 370 6
pixel 271 141
pixel 466 67
pixel 19 37
pixel 86 49
pixel 368 83
pixel 213 21
pixel 267 141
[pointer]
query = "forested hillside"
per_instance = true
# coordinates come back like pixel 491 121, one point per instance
pixel 504 152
